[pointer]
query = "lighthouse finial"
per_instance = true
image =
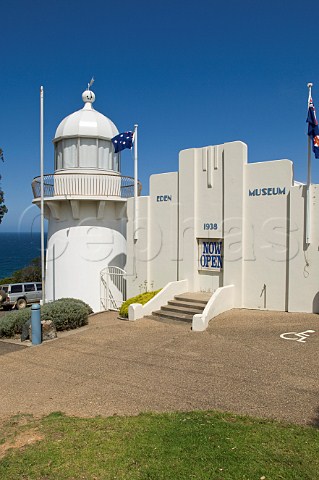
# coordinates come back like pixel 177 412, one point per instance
pixel 91 83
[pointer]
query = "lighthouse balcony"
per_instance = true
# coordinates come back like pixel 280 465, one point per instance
pixel 93 186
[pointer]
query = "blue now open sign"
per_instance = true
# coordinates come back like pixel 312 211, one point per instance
pixel 210 254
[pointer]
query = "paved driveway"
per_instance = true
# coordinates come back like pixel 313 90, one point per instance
pixel 240 364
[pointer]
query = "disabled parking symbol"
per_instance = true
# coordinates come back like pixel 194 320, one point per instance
pixel 298 337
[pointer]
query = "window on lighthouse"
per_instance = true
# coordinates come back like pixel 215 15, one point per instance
pixel 86 153
pixel 69 153
pixel 108 160
pixel 58 156
pixel 105 154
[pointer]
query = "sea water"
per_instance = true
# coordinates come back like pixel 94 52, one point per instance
pixel 17 250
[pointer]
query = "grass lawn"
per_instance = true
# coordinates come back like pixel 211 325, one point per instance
pixel 197 445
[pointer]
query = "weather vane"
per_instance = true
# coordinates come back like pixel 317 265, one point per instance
pixel 91 83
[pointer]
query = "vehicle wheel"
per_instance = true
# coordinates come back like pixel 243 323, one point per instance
pixel 21 303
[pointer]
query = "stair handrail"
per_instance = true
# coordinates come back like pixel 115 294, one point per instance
pixel 221 301
pixel 137 310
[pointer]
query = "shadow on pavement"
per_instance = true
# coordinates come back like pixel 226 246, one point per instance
pixel 10 347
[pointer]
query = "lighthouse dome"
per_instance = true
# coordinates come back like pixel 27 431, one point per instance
pixel 86 122
pixel 83 139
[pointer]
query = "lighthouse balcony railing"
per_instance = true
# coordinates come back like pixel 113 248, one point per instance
pixel 64 185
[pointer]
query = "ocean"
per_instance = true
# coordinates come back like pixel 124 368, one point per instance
pixel 17 251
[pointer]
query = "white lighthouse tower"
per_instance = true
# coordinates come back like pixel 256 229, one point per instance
pixel 85 204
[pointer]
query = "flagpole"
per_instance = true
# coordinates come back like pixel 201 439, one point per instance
pixel 308 216
pixel 135 181
pixel 42 195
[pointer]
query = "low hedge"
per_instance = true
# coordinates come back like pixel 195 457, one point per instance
pixel 75 300
pixel 65 313
pixel 11 323
pixel 142 298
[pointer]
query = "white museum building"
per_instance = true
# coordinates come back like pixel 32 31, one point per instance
pixel 242 235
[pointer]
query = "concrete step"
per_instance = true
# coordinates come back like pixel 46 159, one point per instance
pixel 183 317
pixel 196 297
pixel 182 308
pixel 183 303
pixel 167 320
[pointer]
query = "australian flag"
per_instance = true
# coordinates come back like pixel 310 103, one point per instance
pixel 313 129
pixel 122 141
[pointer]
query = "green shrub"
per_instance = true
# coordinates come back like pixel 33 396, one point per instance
pixel 66 314
pixel 141 298
pixel 77 300
pixel 11 324
pixel 5 280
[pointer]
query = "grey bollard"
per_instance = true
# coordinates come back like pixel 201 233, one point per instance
pixel 36 327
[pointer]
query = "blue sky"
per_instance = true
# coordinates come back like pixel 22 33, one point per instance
pixel 189 73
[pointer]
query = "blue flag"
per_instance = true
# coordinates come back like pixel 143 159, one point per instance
pixel 313 129
pixel 122 141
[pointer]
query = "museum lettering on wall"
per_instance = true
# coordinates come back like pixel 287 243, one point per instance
pixel 210 254
pixel 267 191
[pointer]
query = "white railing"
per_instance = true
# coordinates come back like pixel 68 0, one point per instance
pixel 221 301
pixel 136 310
pixel 85 185
pixel 113 288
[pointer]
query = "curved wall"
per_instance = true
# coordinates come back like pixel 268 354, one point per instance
pixel 79 249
